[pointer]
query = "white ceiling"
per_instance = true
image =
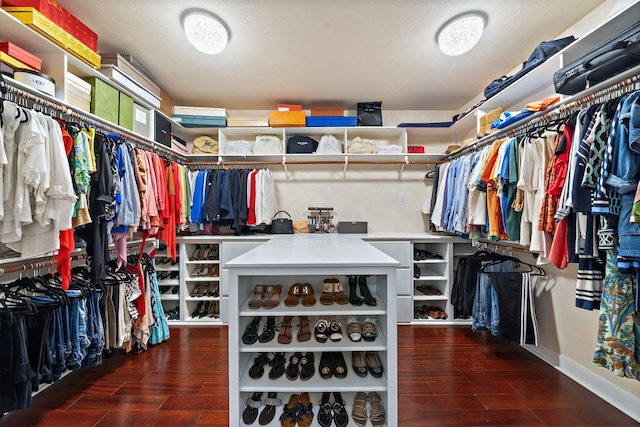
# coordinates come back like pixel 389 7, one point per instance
pixel 324 52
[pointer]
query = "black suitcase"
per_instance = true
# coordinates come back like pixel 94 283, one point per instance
pixel 614 56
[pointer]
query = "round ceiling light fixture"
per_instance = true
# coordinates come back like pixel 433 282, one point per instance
pixel 461 33
pixel 205 32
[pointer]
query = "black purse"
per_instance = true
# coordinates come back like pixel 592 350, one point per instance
pixel 299 144
pixel 281 225
pixel 370 113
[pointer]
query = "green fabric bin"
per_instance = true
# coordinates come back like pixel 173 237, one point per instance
pixel 125 112
pixel 105 100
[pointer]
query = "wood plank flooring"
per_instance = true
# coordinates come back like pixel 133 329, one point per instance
pixel 447 376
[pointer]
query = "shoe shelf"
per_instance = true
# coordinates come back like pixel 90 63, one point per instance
pixel 318 261
pixel 347 397
pixel 165 297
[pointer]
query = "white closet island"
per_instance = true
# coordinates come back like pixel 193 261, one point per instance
pixel 285 260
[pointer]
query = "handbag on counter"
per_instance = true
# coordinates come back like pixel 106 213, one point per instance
pixel 281 225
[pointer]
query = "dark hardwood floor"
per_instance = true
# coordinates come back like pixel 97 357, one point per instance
pixel 447 376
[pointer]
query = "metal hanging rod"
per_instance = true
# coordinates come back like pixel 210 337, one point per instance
pixel 497 246
pixel 319 162
pixel 34 265
pixel 557 111
pixel 95 122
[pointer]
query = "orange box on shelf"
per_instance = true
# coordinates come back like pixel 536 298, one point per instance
pixel 287 118
pixel 21 55
pixel 61 17
pixel 327 111
pixel 289 107
pixel 46 27
pixel 12 62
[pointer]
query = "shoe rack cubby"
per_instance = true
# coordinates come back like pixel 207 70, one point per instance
pixel 311 260
pixel 200 286
pixel 168 276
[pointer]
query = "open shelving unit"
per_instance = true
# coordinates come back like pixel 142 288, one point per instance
pixel 288 260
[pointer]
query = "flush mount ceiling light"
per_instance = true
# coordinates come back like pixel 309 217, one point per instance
pixel 205 32
pixel 461 33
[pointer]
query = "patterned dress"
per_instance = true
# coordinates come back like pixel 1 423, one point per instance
pixel 618 345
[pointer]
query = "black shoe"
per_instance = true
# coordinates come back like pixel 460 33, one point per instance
pixel 277 366
pixel 365 292
pixel 269 331
pixel 250 335
pixel 354 299
pixel 174 275
pixel 175 289
pixel 196 312
pixel 205 309
pixel 416 272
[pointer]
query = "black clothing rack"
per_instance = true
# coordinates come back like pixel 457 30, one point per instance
pixel 49 103
pixel 625 83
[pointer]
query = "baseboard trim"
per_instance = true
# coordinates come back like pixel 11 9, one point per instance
pixel 614 395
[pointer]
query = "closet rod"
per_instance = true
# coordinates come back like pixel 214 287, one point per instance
pixel 25 266
pixel 319 162
pixel 494 246
pixel 95 121
pixel 622 87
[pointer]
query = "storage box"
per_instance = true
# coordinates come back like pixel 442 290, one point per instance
pixel 125 111
pixel 352 227
pixel 289 107
pixel 105 100
pixel 185 110
pixel 287 118
pixel 415 149
pixel 162 133
pixel 142 120
pixel 115 74
pixel 247 122
pixel 61 17
pixel 131 71
pixel 335 121
pixel 78 92
pixel 5 69
pixel 200 121
pixel 21 55
pixel 46 27
pixel 12 62
pixel 166 103
pixel 35 80
pixel 327 111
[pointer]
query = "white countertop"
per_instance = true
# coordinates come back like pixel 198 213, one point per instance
pixel 330 250
pixel 390 236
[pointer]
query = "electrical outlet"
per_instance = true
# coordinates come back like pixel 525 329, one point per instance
pixel 403 197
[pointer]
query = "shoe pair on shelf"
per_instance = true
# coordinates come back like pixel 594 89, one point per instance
pixel 172 314
pixel 359 283
pixel 285 335
pixel 254 402
pixel 362 330
pixel 168 275
pixel 332 412
pixel 206 270
pixel 205 252
pixel 431 290
pixel 376 410
pixel 205 289
pixel 362 362
pixel 423 255
pixel 332 363
pixel 206 309
pixel 265 296
pixel 328 329
pixel 298 410
pixel 333 290
pixel 167 260
pixel 296 290
pixel 430 311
